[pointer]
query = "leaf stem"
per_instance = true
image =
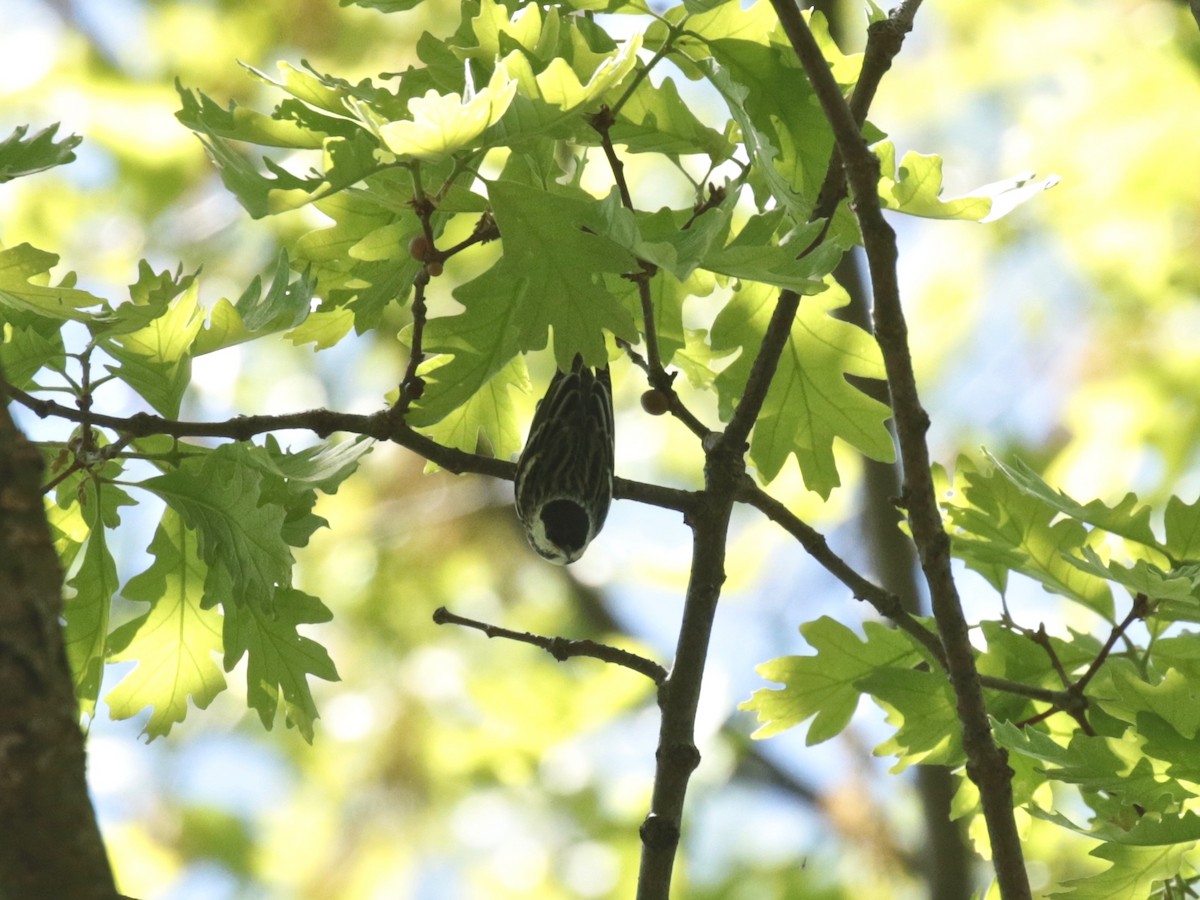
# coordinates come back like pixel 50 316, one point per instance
pixel 643 72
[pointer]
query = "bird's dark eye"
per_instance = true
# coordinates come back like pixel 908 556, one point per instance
pixel 566 524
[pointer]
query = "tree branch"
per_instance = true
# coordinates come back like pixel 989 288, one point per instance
pixel 412 386
pixel 1141 608
pixel 885 602
pixel 560 648
pixel 758 382
pixel 652 365
pixel 601 122
pixel 383 425
pixel 986 762
pixel 884 40
pixel 677 756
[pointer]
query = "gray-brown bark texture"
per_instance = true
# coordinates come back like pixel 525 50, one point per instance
pixel 50 845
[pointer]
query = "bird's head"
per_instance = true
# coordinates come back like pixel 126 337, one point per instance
pixel 560 531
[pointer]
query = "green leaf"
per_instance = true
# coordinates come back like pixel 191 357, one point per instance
pixel 1141 578
pixel 1133 873
pixel 291 480
pixel 1173 698
pixel 916 188
pixel 25 351
pixel 810 402
pixel 783 129
pixel 279 658
pixel 174 641
pixel 322 467
pixel 324 328
pixel 155 360
pixel 660 237
pixel 284 306
pixel 755 23
pixel 1127 518
pixel 363 282
pixel 25 287
pixel 90 589
pixel 1115 766
pixel 828 684
pixel 1152 832
pixel 203 114
pixel 150 297
pixel 385 6
pixel 328 92
pixel 921 706
pixel 1161 741
pixel 754 256
pixel 442 124
pixel 25 157
pixel 561 86
pixel 575 61
pixel 999 527
pixel 90 586
pixel 495 22
pixel 547 279
pixel 1182 523
pixel 655 119
pixel 345 161
pixel 240 540
pixel 489 414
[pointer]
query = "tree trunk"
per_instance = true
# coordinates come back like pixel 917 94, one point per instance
pixel 51 845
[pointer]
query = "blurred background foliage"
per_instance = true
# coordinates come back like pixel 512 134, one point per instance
pixel 446 765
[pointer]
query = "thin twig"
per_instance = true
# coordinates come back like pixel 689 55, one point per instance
pixel 1042 639
pixel 716 196
pixel 885 602
pixel 661 380
pixel 675 406
pixel 485 231
pixel 884 40
pixel 412 386
pixel 1060 699
pixel 66 473
pixel 83 400
pixel 560 648
pixel 601 122
pixel 1140 609
pixel 762 370
pixel 1073 701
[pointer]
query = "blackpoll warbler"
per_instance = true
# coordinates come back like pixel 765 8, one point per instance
pixel 565 473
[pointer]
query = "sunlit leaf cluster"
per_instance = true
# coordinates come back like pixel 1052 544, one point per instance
pixel 1128 753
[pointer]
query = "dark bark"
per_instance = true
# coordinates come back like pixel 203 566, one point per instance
pixel 51 846
pixel 946 860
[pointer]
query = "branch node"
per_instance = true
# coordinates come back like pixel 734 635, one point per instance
pixel 659 833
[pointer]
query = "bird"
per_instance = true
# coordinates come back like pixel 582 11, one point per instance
pixel 564 478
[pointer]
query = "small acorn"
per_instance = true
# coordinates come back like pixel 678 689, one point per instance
pixel 655 402
pixel 419 248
